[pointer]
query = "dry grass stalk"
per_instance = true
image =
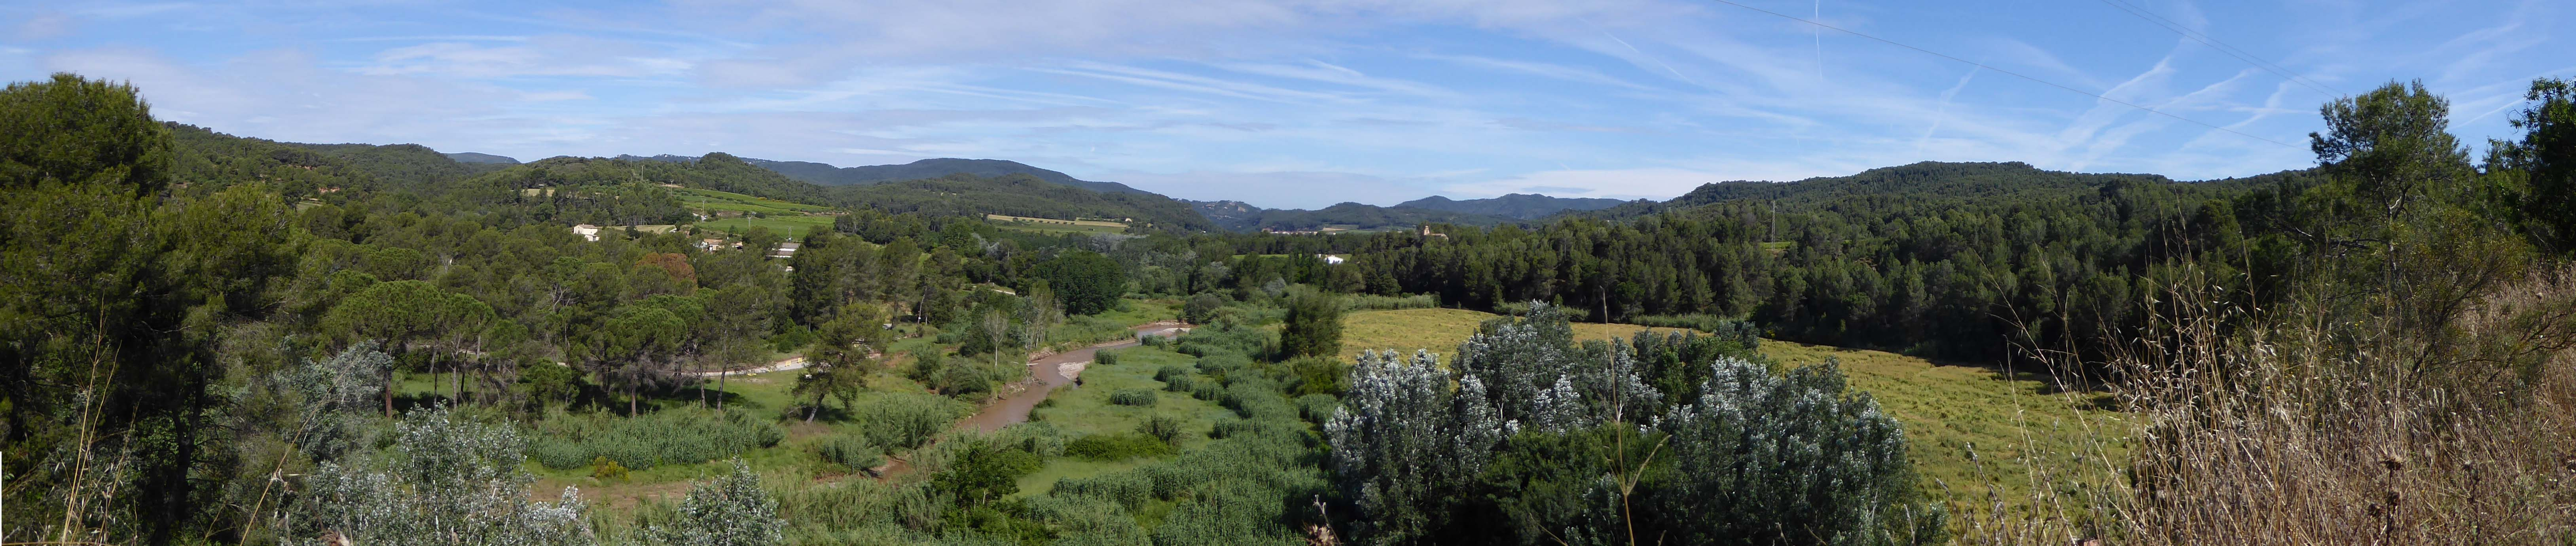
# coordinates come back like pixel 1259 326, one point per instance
pixel 2303 430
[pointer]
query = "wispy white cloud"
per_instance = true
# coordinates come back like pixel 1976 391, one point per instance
pixel 1298 102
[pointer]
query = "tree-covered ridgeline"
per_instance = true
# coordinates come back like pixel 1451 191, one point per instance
pixel 1997 261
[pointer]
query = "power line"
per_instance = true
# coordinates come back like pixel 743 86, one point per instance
pixel 2005 72
pixel 2213 43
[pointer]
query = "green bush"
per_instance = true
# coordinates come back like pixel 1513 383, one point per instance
pixel 907 420
pixel 1257 398
pixel 1373 302
pixel 850 452
pixel 1319 375
pixel 1201 308
pixel 680 436
pixel 1175 378
pixel 1227 337
pixel 1132 397
pixel 1207 390
pixel 1117 447
pixel 1318 407
pixel 1220 364
pixel 1128 489
pixel 1105 358
pixel 1166 429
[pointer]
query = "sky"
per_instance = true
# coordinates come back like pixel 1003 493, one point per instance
pixel 1306 103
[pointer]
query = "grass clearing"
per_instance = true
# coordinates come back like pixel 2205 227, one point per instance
pixel 1973 431
pixel 792 226
pixel 1441 330
pixel 1033 219
pixel 1051 225
pixel 706 199
pixel 1086 409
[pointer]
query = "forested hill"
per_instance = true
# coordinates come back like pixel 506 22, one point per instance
pixel 203 156
pixel 715 171
pixel 1525 206
pixel 1929 179
pixel 828 175
pixel 1021 195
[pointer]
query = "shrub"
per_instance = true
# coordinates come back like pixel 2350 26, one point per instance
pixel 605 470
pixel 1744 333
pixel 1128 489
pixel 727 511
pixel 1105 358
pixel 1132 397
pixel 1218 365
pixel 1227 337
pixel 1162 428
pixel 462 478
pixel 1318 407
pixel 1207 390
pixel 1319 375
pixel 907 420
pixel 680 436
pixel 851 452
pixel 1201 308
pixel 1117 447
pixel 1257 398
pixel 1174 376
pixel 1373 302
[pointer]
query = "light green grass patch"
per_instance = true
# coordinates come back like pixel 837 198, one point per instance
pixel 793 226
pixel 1973 431
pixel 1441 330
pixel 1085 409
pixel 706 199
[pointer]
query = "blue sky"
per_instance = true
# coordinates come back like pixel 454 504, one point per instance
pixel 1305 103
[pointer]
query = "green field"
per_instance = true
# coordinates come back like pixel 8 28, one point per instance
pixel 1085 409
pixel 1441 330
pixel 1051 225
pixel 1972 430
pixel 712 200
pixel 792 226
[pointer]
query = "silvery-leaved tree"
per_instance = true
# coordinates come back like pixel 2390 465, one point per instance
pixel 448 481
pixel 1403 437
pixel 1531 438
pixel 731 510
pixel 1761 453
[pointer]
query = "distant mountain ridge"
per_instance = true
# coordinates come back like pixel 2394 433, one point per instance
pixel 828 175
pixel 1526 206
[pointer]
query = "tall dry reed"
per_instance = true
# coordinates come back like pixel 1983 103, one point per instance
pixel 2317 427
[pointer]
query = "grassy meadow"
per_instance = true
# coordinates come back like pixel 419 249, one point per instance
pixel 1051 225
pixel 706 199
pixel 1441 330
pixel 1086 409
pixel 792 226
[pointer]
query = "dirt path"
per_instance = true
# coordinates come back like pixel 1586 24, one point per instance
pixel 1049 372
pixel 789 363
